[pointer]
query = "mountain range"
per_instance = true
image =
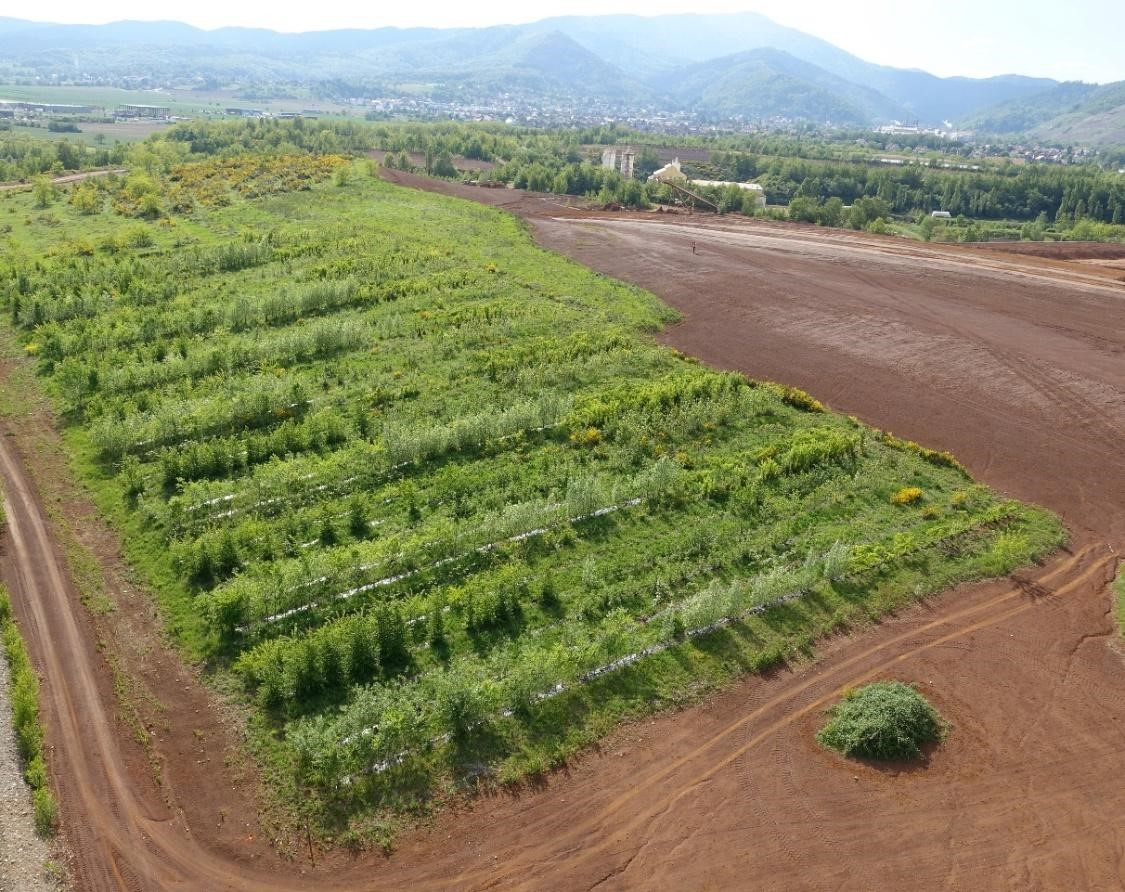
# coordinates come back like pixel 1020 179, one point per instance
pixel 721 67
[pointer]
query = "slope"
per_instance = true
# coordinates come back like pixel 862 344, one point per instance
pixel 1069 112
pixel 768 83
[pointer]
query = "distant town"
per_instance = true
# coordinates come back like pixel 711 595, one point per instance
pixel 533 110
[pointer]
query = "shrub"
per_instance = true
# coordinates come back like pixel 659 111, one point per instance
pixel 887 721
pixel 933 456
pixel 796 398
pixel 908 495
pixel 46 811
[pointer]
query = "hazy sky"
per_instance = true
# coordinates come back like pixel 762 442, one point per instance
pixel 1065 39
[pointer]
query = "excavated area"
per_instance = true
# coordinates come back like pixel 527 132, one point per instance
pixel 1015 364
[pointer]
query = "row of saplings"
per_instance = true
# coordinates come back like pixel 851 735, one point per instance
pixel 885 721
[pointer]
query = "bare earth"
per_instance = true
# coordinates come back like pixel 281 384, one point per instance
pixel 1016 364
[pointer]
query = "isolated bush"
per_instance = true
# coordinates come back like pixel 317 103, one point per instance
pixel 889 721
pixel 86 199
pixel 44 191
pixel 908 495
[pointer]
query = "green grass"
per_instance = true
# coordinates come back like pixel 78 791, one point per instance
pixel 1119 589
pixel 179 102
pixel 89 133
pixel 24 697
pixel 407 483
pixel 885 721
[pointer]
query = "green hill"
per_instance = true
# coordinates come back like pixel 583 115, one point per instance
pixel 740 64
pixel 768 83
pixel 1067 113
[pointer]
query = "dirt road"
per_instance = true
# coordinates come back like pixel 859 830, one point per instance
pixel 64 180
pixel 1019 369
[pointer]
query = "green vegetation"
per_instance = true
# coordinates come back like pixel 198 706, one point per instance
pixel 1119 588
pixel 830 182
pixel 24 695
pixel 23 157
pixel 888 721
pixel 433 498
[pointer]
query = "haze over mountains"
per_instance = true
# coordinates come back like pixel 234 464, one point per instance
pixel 736 66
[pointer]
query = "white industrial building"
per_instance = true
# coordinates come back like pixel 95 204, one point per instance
pixel 620 158
pixel 673 175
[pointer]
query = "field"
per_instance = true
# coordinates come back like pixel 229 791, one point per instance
pixel 434 501
pixel 179 102
pixel 187 104
pixel 97 134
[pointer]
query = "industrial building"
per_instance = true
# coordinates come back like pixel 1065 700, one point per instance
pixel 158 112
pixel 671 174
pixel 620 159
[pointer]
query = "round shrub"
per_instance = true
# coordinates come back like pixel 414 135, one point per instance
pixel 886 720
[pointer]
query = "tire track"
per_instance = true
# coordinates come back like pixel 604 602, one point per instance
pixel 594 827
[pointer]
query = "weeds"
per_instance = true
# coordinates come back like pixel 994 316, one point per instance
pixel 25 719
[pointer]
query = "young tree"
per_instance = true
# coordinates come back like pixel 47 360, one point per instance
pixel 86 199
pixel 44 192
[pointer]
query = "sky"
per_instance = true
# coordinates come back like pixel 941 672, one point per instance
pixel 1063 39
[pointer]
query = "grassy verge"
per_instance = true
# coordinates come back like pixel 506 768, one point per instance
pixel 25 719
pixel 1119 588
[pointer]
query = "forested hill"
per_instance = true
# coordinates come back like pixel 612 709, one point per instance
pixel 1066 113
pixel 731 66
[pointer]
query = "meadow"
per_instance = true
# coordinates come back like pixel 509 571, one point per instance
pixel 430 502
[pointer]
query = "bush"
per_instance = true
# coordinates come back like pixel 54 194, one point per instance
pixel 46 811
pixel 796 398
pixel 888 721
pixel 908 495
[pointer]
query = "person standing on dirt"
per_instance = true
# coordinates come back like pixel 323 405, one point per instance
pixel 693 247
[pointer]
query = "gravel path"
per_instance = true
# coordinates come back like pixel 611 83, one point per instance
pixel 23 855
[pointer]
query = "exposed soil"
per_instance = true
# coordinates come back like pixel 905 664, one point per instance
pixel 1015 364
pixel 1061 250
pixel 418 159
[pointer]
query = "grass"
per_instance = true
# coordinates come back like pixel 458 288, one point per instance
pixel 1119 588
pixel 885 721
pixel 95 133
pixel 407 485
pixel 24 696
pixel 179 102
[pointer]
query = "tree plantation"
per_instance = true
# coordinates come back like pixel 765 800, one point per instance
pixel 431 501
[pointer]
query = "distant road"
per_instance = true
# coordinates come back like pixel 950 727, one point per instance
pixel 64 180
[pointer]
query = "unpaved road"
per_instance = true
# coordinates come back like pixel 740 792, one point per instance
pixel 64 180
pixel 1019 369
